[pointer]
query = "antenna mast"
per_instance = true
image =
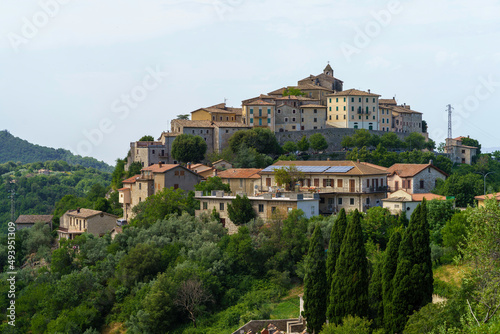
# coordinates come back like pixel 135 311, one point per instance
pixel 449 120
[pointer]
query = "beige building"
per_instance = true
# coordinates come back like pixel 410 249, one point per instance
pixel 217 113
pixel 353 109
pixel 241 180
pixel 76 222
pixel 266 207
pixel 325 80
pixel 398 118
pixel 259 113
pixel 152 180
pixel 414 178
pixel 402 201
pixel 340 184
pixel 459 153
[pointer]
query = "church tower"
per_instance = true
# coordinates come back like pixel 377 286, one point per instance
pixel 328 70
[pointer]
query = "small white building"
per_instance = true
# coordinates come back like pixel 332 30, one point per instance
pixel 402 201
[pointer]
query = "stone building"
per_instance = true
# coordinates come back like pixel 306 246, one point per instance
pixel 27 221
pixel 325 80
pixel 76 222
pixel 414 178
pixel 458 152
pixel 241 180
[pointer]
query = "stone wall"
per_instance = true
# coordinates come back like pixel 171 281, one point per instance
pixel 333 136
pixel 257 325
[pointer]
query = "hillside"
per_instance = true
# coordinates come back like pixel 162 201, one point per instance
pixel 19 150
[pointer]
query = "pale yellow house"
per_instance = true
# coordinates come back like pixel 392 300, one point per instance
pixel 353 109
pixel 217 113
pixel 76 222
pixel 481 199
pixel 266 206
pixel 312 117
pixel 340 184
pixel 241 180
pixel 259 113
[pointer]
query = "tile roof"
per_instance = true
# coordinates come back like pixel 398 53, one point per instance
pixel 359 168
pixel 157 168
pixel 427 196
pixel 489 196
pixel 168 134
pixel 410 170
pixel 31 219
pixel 123 189
pixel 86 213
pixel 293 97
pixel 261 97
pixel 240 173
pixel 131 179
pixel 387 101
pixel 231 125
pixel 308 86
pixel 259 102
pixel 403 110
pixel 374 166
pixel 187 123
pixel 353 92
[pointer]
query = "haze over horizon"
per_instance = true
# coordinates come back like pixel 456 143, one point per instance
pixel 70 68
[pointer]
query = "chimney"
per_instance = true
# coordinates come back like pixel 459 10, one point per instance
pixel 357 161
pixel 77 210
pixel 160 164
pixel 368 91
pixel 430 162
pixel 188 165
pixel 215 171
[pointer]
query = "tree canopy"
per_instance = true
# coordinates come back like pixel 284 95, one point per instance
pixel 189 148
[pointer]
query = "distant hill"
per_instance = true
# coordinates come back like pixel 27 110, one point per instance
pixel 16 149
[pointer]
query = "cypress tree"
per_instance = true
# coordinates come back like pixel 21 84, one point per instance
pixel 336 237
pixel 349 292
pixel 388 272
pixel 413 279
pixel 375 293
pixel 315 283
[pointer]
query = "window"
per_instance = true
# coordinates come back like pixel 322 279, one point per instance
pixel 176 186
pixel 330 100
pixel 337 108
pixel 268 120
pixel 367 110
pixel 408 183
pixel 373 116
pixel 396 185
pixel 368 183
pixel 339 183
pixel 140 199
pixel 261 207
pixel 182 173
pixel 330 109
pixel 359 117
pixel 316 182
pixel 337 117
pixel 293 119
pixel 366 100
pixel 140 185
pixel 352 99
pixel 193 131
pixel 340 200
pixel 293 111
pixel 289 209
pixel 176 173
pixel 221 118
pixel 315 120
pixel 421 184
pixel 286 119
pixel 293 127
pixel 251 120
pixel 313 209
pixel 383 120
pixel 241 183
pixel 352 116
pixel 331 117
pixel 344 99
pixel 367 201
pixel 337 99
pixel 221 206
pixel 359 100
pixel 154 152
pixel 463 151
pixel 268 182
pixel 344 108
pixel 373 100
pixel 227 131
pixel 351 201
pixel 273 209
pixel 315 111
pixel 315 127
pixel 251 110
pixel 205 205
pixel 352 108
pixel 302 120
pixel 269 111
pixel 279 111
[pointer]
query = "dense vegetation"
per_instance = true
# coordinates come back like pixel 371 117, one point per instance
pixel 18 150
pixel 38 193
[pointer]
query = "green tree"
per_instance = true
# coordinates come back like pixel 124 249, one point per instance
pixel 290 146
pixel 142 262
pixel 288 175
pixel 391 140
pixel 388 272
pixel 318 142
pixel 315 283
pixel 349 292
pixel 262 140
pixel 118 174
pixel 134 169
pixel 240 210
pixel 303 144
pixel 347 142
pixel 147 138
pixel 350 325
pixel 189 148
pixel 455 231
pixel 472 142
pixel 293 91
pixel 463 187
pixel 424 126
pixel 183 116
pixel 334 246
pixel 413 281
pixel 212 183
pixel 415 141
pixel 248 157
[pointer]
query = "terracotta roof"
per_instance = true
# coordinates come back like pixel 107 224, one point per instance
pixel 231 125
pixel 391 102
pixel 459 138
pixel 353 92
pixel 213 163
pixel 427 196
pixel 240 173
pixel 259 102
pixel 216 109
pixel 156 168
pixel 86 213
pixel 199 168
pixel 192 124
pixel 312 106
pixel 261 97
pixel 401 109
pixel 132 179
pixel 31 219
pixel 410 170
pixel 308 86
pixel 293 97
pixel 359 168
pixel 123 189
pixel 169 134
pixel 489 196
pixel 374 166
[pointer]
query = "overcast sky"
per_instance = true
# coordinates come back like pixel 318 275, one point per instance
pixel 92 76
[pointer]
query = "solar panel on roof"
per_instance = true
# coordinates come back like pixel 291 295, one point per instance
pixel 312 169
pixel 339 169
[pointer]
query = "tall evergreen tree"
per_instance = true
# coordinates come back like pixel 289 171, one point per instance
pixel 336 237
pixel 413 280
pixel 375 292
pixel 388 272
pixel 349 292
pixel 315 283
